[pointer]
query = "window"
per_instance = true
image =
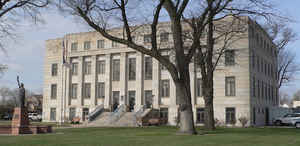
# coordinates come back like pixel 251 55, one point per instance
pixel 131 98
pixel 116 70
pixel 53 91
pixel 101 67
pixel 164 37
pixel 230 86
pixel 258 88
pixel 229 57
pixel 74 47
pixel 164 113
pixel 230 115
pixel 162 67
pixel 148 98
pixel 147 38
pixel 87 67
pixel 74 70
pixel 114 44
pixel 52 114
pixel 87 45
pixel 148 68
pixel 258 62
pixel 87 90
pixel 253 60
pixel 199 87
pixel 100 44
pixel 132 68
pixel 200 115
pixel 85 113
pixel 74 91
pixel 72 113
pixel 165 88
pixel 54 69
pixel 100 92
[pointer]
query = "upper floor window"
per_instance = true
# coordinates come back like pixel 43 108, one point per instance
pixel 87 90
pixel 162 67
pixel 87 65
pixel 199 87
pixel 114 44
pixel 100 92
pixel 74 70
pixel 101 67
pixel 53 91
pixel 132 68
pixel 230 115
pixel 87 45
pixel 74 88
pixel 74 47
pixel 54 69
pixel 148 68
pixel 164 37
pixel 165 88
pixel 147 38
pixel 230 86
pixel 229 57
pixel 116 70
pixel 100 44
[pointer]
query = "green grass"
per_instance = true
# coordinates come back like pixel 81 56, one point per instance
pixel 53 124
pixel 158 136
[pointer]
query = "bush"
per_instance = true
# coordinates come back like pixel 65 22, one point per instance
pixel 243 121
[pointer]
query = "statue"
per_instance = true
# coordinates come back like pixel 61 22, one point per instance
pixel 21 93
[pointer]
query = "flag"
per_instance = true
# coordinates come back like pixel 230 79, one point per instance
pixel 64 59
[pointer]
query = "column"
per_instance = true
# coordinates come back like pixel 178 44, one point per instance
pixel 94 80
pixel 139 81
pixel 80 80
pixel 156 83
pixel 123 77
pixel 108 64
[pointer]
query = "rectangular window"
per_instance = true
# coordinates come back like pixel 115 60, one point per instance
pixel 165 88
pixel 74 88
pixel 230 115
pixel 132 68
pixel 100 44
pixel 164 113
pixel 199 87
pixel 116 70
pixel 147 38
pixel 87 66
pixel 53 91
pixel 114 44
pixel 87 90
pixel 54 69
pixel 100 92
pixel 162 67
pixel 72 113
pixel 52 114
pixel 148 98
pixel 253 87
pixel 229 57
pixel 253 60
pixel 230 86
pixel 200 115
pixel 74 47
pixel 258 88
pixel 74 70
pixel 148 68
pixel 101 67
pixel 164 37
pixel 87 45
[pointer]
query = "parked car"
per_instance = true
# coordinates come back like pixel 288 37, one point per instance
pixel 34 117
pixel 288 119
pixel 7 117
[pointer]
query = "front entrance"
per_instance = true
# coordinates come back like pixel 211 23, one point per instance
pixel 267 116
pixel 148 98
pixel 254 115
pixel 85 113
pixel 131 95
pixel 116 100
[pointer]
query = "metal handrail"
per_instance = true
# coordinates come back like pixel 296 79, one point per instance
pixel 98 110
pixel 117 113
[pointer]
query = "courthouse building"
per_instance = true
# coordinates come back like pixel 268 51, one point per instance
pixel 102 72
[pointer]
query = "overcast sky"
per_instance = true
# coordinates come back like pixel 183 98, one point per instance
pixel 25 57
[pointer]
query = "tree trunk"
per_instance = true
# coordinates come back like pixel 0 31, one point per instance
pixel 183 94
pixel 208 94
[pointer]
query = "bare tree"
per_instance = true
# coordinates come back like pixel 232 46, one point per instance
pixel 3 68
pixel 198 16
pixel 282 36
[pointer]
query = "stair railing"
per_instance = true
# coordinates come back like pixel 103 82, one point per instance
pixel 95 113
pixel 116 115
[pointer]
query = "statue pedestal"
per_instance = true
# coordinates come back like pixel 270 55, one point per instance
pixel 20 122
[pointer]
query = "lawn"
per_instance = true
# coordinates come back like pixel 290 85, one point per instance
pixel 158 136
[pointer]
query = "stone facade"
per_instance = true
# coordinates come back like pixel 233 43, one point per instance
pixel 245 99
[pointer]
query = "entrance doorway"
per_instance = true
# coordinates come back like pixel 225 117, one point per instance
pixel 85 113
pixel 131 95
pixel 148 98
pixel 267 116
pixel 116 98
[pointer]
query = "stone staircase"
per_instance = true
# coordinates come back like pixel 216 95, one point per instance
pixel 128 119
